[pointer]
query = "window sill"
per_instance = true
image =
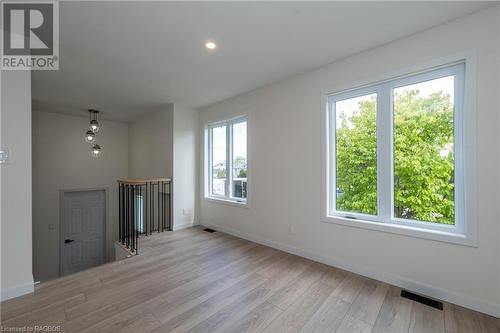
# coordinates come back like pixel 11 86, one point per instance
pixel 411 231
pixel 242 204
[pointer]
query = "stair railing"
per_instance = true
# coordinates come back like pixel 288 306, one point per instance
pixel 145 206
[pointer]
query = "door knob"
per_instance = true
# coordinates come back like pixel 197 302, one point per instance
pixel 68 240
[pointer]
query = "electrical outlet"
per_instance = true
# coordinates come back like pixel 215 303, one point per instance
pixel 290 230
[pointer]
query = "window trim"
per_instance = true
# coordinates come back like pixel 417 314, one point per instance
pixel 464 231
pixel 208 195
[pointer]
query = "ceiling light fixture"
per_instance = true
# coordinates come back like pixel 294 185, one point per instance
pixel 210 45
pixel 96 151
pixel 89 136
pixel 94 124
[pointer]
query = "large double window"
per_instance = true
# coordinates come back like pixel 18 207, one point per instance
pixel 227 160
pixel 395 152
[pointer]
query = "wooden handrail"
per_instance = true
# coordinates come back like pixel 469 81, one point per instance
pixel 143 181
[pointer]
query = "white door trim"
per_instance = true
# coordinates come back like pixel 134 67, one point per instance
pixel 61 220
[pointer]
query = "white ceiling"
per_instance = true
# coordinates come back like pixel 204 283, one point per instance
pixel 126 58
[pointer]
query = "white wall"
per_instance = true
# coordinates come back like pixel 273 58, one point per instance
pixel 15 125
pixel 151 145
pixel 62 161
pixel 186 138
pixel 164 144
pixel 284 155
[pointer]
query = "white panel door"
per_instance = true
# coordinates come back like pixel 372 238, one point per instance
pixel 83 240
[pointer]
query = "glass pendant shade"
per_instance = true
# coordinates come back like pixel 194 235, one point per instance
pixel 96 151
pixel 94 125
pixel 89 136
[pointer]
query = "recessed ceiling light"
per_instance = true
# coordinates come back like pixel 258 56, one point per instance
pixel 210 45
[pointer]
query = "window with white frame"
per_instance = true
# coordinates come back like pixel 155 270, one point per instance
pixel 227 160
pixel 395 152
pixel 139 212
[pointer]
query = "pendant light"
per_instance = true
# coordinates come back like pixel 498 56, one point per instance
pixel 96 151
pixel 89 136
pixel 94 124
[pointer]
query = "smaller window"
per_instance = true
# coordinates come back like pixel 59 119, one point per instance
pixel 139 212
pixel 227 160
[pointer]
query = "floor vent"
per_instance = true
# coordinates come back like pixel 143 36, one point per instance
pixel 209 230
pixel 422 299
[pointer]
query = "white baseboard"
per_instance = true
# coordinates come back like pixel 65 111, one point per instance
pixel 17 291
pixel 182 226
pixel 415 286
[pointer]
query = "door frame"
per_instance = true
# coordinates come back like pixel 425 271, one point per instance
pixel 62 193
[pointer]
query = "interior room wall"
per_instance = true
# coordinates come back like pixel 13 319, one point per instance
pixel 185 162
pixel 15 179
pixel 62 161
pixel 165 144
pixel 151 145
pixel 158 144
pixel 285 171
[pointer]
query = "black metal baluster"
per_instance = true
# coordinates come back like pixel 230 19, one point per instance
pixel 134 219
pixel 170 226
pixel 165 199
pixel 126 216
pixel 163 205
pixel 123 213
pixel 158 209
pixel 153 215
pixel 119 211
pixel 151 202
pixel 146 198
pixel 131 224
pixel 166 205
pixel 122 221
pixel 142 208
pixel 136 228
pixel 160 200
pixel 146 206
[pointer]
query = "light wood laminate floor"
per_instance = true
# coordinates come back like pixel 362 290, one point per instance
pixel 194 281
